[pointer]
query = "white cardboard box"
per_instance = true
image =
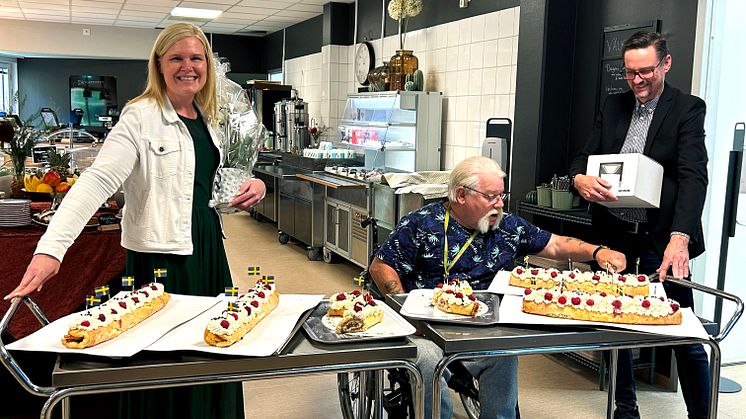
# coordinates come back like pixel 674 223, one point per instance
pixel 635 178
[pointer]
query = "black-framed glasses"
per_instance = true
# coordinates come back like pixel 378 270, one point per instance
pixel 644 73
pixel 491 198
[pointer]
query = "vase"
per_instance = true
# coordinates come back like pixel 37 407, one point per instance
pixel 401 64
pixel 379 78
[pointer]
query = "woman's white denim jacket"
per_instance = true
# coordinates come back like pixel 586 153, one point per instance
pixel 151 155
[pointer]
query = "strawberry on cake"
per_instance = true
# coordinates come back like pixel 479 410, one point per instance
pixel 601 307
pixel 576 280
pixel 115 316
pixel 361 316
pixel 456 297
pixel 252 307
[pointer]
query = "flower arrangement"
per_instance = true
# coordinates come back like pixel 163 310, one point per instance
pixel 402 10
pixel 316 132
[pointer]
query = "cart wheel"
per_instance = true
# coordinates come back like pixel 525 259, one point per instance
pixel 314 254
pixel 284 238
pixel 328 255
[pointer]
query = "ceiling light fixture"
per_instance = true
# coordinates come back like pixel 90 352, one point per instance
pixel 196 13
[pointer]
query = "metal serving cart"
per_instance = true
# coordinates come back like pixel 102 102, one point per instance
pixel 78 375
pixel 460 342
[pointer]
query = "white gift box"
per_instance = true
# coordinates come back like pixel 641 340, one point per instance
pixel 636 179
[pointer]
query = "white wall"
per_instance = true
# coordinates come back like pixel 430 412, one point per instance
pixel 722 85
pixel 28 39
pixel 472 61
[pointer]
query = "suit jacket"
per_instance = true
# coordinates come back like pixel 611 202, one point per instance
pixel 676 140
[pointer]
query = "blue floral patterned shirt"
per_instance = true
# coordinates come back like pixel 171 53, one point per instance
pixel 415 248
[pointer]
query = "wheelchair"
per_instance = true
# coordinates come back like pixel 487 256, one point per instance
pixel 397 400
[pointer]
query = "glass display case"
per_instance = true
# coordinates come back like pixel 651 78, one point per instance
pixel 396 131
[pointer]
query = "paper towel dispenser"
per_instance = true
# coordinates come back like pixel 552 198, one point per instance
pixel 497 144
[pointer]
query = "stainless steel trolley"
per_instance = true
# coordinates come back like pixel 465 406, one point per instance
pixel 468 342
pixel 148 370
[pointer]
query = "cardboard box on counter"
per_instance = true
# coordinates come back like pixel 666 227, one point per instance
pixel 635 178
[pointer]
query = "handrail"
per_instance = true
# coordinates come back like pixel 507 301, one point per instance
pixel 8 360
pixel 718 293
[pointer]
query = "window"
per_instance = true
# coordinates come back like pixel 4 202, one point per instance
pixel 8 85
pixel 5 95
pixel 275 75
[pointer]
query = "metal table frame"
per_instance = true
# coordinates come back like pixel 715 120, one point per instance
pixel 149 370
pixel 504 340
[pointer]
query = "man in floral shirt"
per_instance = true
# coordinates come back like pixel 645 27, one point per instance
pixel 481 240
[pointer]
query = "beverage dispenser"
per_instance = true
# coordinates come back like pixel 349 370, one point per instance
pixel 297 125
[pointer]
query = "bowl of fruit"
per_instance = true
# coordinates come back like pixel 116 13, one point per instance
pixel 46 187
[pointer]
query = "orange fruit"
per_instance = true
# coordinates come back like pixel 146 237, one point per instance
pixel 52 178
pixel 44 188
pixel 62 187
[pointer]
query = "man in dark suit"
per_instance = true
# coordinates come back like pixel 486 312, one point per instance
pixel 667 125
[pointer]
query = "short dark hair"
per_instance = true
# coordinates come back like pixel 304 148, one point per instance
pixel 644 39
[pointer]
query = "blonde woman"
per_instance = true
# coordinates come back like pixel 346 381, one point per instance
pixel 164 154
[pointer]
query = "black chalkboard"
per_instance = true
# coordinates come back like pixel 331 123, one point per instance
pixel 611 81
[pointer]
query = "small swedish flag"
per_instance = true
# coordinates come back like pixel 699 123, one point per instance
pixel 91 301
pixel 232 306
pixel 268 279
pixel 525 261
pixel 159 273
pixel 101 291
pixel 231 291
pixel 359 280
pixel 128 281
pixel 253 270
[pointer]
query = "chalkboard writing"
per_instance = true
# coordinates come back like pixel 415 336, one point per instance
pixel 611 80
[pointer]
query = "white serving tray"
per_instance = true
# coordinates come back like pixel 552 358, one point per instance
pixel 511 312
pixel 180 309
pixel 264 339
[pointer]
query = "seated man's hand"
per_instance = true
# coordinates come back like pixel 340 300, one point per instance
pixel 249 194
pixel 615 260
pixel 593 188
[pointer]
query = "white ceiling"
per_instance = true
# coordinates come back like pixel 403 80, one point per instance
pixel 240 17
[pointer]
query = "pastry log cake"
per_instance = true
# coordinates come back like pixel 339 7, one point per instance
pixel 576 280
pixel 344 301
pixel 251 308
pixel 361 316
pixel 115 316
pixel 601 307
pixel 456 297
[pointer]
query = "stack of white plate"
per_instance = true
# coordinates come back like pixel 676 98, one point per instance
pixel 15 212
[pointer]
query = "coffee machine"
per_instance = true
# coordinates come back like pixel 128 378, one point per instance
pixel 291 125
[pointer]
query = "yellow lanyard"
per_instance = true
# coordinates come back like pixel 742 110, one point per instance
pixel 447 266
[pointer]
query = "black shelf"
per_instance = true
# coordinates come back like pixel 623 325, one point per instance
pixel 579 216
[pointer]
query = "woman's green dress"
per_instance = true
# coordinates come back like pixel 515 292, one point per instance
pixel 204 272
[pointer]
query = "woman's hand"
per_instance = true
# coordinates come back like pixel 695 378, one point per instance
pixel 249 194
pixel 593 188
pixel 41 268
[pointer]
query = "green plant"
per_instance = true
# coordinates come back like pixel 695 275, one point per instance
pixel 59 162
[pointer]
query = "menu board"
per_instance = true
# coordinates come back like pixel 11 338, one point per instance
pixel 612 60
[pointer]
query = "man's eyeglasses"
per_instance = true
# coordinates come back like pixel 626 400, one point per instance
pixel 491 198
pixel 644 73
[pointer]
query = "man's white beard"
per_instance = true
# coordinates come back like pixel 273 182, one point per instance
pixel 484 223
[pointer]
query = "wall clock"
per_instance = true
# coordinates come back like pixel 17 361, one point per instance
pixel 364 59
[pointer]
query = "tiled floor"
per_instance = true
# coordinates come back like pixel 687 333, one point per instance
pixel 550 387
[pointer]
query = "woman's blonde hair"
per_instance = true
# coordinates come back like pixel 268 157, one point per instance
pixel 156 88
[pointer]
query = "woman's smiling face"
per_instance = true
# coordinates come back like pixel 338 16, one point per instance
pixel 184 69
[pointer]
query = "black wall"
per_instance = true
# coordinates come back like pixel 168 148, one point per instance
pixel 433 13
pixel 243 52
pixel 304 38
pixel 46 81
pixel 271 55
pixel 558 74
